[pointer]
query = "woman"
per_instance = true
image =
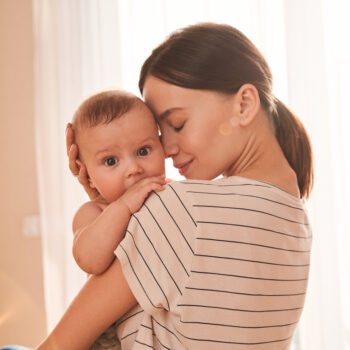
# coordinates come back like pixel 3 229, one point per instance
pixel 209 264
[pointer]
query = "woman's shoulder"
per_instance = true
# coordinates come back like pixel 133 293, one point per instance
pixel 233 189
pixel 235 185
pixel 183 189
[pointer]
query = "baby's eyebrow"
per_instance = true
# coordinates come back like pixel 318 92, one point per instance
pixel 145 141
pixel 102 151
pixel 166 113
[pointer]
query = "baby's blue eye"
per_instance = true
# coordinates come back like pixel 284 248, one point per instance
pixel 143 151
pixel 111 161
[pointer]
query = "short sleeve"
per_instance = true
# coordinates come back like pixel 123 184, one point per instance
pixel 157 251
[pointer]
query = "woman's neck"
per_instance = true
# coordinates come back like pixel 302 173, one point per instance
pixel 263 159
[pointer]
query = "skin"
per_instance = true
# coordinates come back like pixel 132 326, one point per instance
pixel 231 135
pixel 121 153
pixel 208 134
pixel 125 162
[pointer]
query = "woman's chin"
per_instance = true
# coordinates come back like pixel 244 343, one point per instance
pixel 203 177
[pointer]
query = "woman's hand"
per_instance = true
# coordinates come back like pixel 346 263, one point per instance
pixel 77 170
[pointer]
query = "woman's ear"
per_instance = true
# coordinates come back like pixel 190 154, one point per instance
pixel 248 104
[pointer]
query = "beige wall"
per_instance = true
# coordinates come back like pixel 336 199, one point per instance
pixel 22 315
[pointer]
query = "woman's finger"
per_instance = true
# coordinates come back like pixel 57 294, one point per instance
pixel 69 137
pixel 82 177
pixel 84 181
pixel 73 154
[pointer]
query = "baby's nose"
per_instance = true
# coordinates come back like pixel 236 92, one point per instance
pixel 133 169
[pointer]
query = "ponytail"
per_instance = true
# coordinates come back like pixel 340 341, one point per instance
pixel 296 146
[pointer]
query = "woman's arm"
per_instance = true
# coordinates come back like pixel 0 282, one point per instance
pixel 102 300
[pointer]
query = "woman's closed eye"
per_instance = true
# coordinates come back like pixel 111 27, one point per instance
pixel 144 151
pixel 178 128
pixel 110 161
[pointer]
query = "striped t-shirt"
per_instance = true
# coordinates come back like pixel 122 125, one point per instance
pixel 216 265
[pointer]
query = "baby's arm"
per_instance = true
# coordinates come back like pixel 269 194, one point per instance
pixel 97 231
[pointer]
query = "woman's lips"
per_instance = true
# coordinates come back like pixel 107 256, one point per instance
pixel 183 167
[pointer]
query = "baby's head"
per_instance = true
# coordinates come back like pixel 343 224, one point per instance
pixel 118 142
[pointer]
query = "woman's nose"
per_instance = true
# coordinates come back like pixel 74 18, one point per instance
pixel 170 146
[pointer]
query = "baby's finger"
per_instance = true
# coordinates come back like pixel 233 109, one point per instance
pixel 159 187
pixel 73 154
pixel 153 186
pixel 157 179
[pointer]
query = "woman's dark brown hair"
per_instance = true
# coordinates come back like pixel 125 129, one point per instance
pixel 219 57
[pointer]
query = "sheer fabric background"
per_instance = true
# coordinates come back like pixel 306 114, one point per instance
pixel 84 46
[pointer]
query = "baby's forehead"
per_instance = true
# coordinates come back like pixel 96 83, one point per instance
pixel 137 124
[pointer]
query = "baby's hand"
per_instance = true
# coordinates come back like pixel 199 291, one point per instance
pixel 134 197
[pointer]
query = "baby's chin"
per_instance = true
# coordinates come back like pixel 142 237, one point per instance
pixel 102 200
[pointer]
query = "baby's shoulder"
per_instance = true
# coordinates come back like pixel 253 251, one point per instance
pixel 87 213
pixel 93 204
pixel 90 208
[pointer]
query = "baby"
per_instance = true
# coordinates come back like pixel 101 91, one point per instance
pixel 119 146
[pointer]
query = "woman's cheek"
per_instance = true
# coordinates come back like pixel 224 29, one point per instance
pixel 197 140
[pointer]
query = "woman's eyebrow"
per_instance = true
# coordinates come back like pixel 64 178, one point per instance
pixel 166 113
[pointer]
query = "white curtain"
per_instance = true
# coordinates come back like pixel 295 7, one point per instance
pixel 77 53
pixel 83 46
pixel 319 54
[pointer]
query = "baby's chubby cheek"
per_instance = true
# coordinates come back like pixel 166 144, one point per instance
pixel 111 197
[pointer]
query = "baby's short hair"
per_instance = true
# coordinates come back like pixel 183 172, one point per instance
pixel 102 108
